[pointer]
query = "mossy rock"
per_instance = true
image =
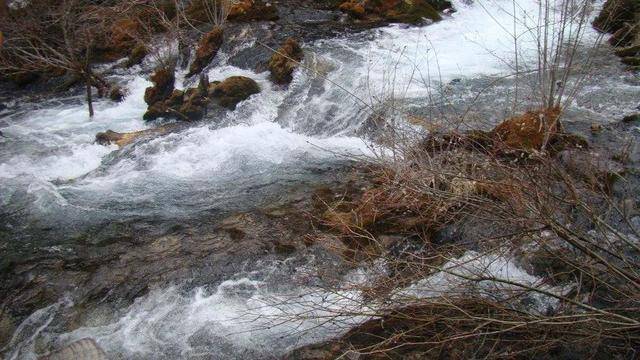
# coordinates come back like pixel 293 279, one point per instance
pixel 163 82
pixel 207 49
pixel 285 61
pixel 412 12
pixel 399 11
pixel 233 90
pixel 155 111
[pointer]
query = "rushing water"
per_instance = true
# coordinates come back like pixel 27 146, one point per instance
pixel 56 184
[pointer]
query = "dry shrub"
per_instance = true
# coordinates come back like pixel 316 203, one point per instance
pixel 559 224
pixel 466 328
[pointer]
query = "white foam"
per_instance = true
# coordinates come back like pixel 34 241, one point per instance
pixel 492 275
pixel 61 138
pixel 240 316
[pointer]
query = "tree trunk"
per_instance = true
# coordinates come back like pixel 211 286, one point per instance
pixel 89 97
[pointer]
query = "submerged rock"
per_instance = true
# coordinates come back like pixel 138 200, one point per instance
pixel 285 61
pixel 7 327
pixel 83 349
pixel 232 91
pixel 207 49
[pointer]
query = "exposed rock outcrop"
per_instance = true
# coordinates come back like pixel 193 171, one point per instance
pixel 285 61
pixel 207 49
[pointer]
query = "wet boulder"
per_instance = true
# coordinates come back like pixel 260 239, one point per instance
pixel 163 82
pixel 285 61
pixel 207 49
pixel 529 131
pixel 188 105
pixel 194 103
pixel 233 90
pixel 252 10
